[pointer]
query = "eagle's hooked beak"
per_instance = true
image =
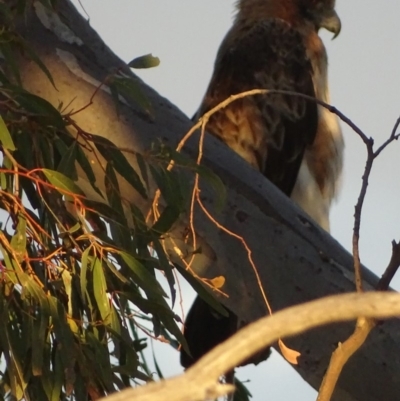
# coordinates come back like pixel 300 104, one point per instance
pixel 331 21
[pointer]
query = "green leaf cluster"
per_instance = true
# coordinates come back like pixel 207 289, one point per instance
pixel 78 278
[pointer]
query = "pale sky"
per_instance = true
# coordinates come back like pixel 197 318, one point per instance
pixel 365 85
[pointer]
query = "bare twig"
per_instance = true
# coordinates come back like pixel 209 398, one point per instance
pixel 392 268
pixel 363 326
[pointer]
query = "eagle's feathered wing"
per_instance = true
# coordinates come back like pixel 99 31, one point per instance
pixel 275 133
pixel 270 131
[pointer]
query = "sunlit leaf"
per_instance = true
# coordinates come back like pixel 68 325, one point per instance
pixel 18 241
pixel 217 282
pixel 84 272
pixel 114 321
pixel 146 61
pixel 100 289
pixel 3 181
pixel 62 183
pixel 143 168
pixel 5 136
pixel 291 355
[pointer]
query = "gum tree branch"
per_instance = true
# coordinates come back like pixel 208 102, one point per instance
pixel 200 382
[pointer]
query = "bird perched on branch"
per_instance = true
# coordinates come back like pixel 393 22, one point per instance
pixel 296 143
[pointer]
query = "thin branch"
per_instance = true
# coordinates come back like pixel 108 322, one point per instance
pixel 363 326
pixel 392 268
pixel 200 382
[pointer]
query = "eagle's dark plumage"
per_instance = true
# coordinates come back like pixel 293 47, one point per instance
pixel 296 144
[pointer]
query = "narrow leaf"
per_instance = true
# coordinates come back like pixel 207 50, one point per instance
pixel 120 163
pixel 18 241
pixel 35 58
pixel 7 47
pixel 40 107
pixel 168 217
pixel 61 182
pixel 166 267
pixel 216 184
pixel 5 136
pixel 87 168
pixel 67 163
pixel 112 190
pixel 171 187
pixel 100 289
pixel 83 275
pixel 144 279
pixel 143 168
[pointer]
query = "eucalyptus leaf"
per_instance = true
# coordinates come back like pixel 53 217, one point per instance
pixel 120 163
pixel 62 183
pixel 5 136
pixel 84 272
pixel 168 217
pixel 67 162
pixel 144 278
pixel 83 161
pixel 100 289
pixel 18 241
pixel 129 88
pixel 112 191
pixel 146 61
pixel 36 59
pixel 166 267
pixel 7 50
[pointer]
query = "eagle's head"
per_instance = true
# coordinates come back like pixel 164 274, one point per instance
pixel 321 13
pixel 316 14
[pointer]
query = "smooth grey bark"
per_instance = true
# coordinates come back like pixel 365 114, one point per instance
pixel 297 261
